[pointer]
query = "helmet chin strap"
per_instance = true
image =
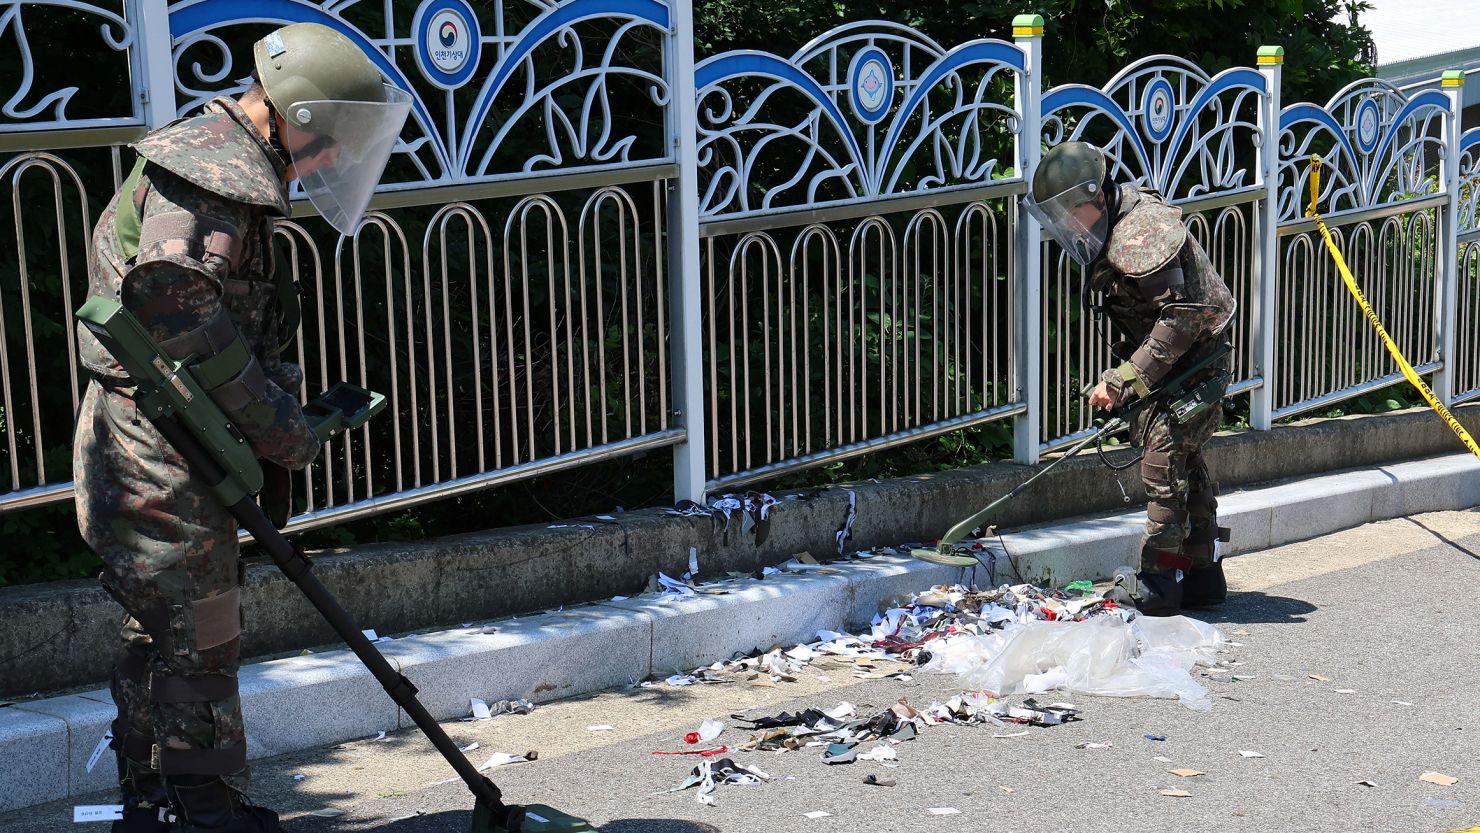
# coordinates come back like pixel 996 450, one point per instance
pixel 275 141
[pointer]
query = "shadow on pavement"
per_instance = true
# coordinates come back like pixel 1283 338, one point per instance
pixel 657 826
pixel 1253 607
pixel 1453 544
pixel 460 821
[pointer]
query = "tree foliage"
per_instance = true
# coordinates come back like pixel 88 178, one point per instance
pixel 1086 41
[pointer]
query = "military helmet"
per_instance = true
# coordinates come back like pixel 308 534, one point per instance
pixel 341 120
pixel 306 62
pixel 1065 166
pixel 1067 198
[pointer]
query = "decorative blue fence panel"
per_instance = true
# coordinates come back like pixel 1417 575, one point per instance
pixel 1467 309
pixel 1382 195
pixel 857 288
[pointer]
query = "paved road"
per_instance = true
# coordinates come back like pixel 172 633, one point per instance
pixel 1386 611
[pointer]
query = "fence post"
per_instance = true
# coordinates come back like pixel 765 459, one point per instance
pixel 1027 31
pixel 1447 297
pixel 683 257
pixel 154 83
pixel 1262 319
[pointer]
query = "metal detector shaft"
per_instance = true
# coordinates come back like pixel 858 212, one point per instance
pixel 295 565
pixel 962 529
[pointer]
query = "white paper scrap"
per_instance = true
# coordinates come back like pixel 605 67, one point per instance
pixel 710 729
pixel 480 710
pixel 370 634
pixel 879 754
pixel 817 814
pixel 470 747
pixel 693 561
pixel 380 736
pixel 942 811
pixel 601 728
pixel 97 812
pixel 841 710
pixel 298 776
pixel 1249 753
pixel 501 758
pixel 92 760
pixel 329 812
pixel 1402 702
pixel 1013 735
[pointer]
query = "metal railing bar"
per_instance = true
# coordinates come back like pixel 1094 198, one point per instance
pixel 1343 218
pixel 1351 392
pixel 854 209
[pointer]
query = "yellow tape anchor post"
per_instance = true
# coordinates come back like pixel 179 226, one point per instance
pixel 1351 284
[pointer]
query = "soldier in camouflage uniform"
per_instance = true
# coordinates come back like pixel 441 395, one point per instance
pixel 186 247
pixel 1170 308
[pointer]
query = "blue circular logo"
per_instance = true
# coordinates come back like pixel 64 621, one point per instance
pixel 871 82
pixel 1368 124
pixel 447 42
pixel 1156 106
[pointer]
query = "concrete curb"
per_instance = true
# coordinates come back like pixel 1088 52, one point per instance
pixel 326 698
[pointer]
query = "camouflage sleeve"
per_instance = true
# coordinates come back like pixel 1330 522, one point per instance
pixel 1186 316
pixel 174 289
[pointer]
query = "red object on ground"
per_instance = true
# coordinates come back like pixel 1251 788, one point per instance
pixel 691 737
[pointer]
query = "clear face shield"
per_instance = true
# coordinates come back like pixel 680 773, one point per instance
pixel 1077 218
pixel 341 149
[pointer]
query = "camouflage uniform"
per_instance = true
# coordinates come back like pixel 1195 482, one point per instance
pixel 1167 303
pixel 201 280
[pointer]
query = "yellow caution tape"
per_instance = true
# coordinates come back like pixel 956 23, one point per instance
pixel 1356 291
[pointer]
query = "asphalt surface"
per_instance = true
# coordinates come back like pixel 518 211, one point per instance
pixel 1385 612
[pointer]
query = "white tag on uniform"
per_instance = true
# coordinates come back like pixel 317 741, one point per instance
pixel 98 752
pixel 1217 551
pixel 97 812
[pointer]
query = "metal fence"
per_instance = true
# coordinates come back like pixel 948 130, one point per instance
pixel 589 245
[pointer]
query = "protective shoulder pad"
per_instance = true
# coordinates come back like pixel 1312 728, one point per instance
pixel 187 226
pixel 1146 237
pixel 214 152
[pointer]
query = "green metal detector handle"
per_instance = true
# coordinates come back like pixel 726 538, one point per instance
pixel 164 387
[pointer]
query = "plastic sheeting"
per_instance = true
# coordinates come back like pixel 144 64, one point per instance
pixel 1105 655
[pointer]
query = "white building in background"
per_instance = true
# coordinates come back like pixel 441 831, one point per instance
pixel 1417 40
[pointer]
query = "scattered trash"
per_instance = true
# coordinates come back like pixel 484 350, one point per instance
pixel 875 781
pixel 708 775
pixel 1023 733
pixel 1185 773
pixel 469 748
pixel 1155 737
pixel 1319 678
pixel 329 813
pixel 1439 778
pixel 1164 759
pixel 1402 702
pixel 1249 753
pixel 942 811
pixel 1083 586
pixel 482 710
pixel 879 754
pixel 380 737
pixel 1176 793
pixel 601 728
pixel 1089 744
pixel 1008 790
pixel 703 753
pixel 1344 690
pixel 708 731
pixel 817 814
pixel 498 759
pixel 840 753
pixel 298 776
pixel 1367 783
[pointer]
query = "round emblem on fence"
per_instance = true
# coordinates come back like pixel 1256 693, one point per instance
pixel 1157 103
pixel 871 78
pixel 447 42
pixel 1367 125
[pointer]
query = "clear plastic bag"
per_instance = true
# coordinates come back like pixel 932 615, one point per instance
pixel 1104 655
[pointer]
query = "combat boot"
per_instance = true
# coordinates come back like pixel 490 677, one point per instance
pixel 206 804
pixel 140 816
pixel 1205 586
pixel 1154 592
